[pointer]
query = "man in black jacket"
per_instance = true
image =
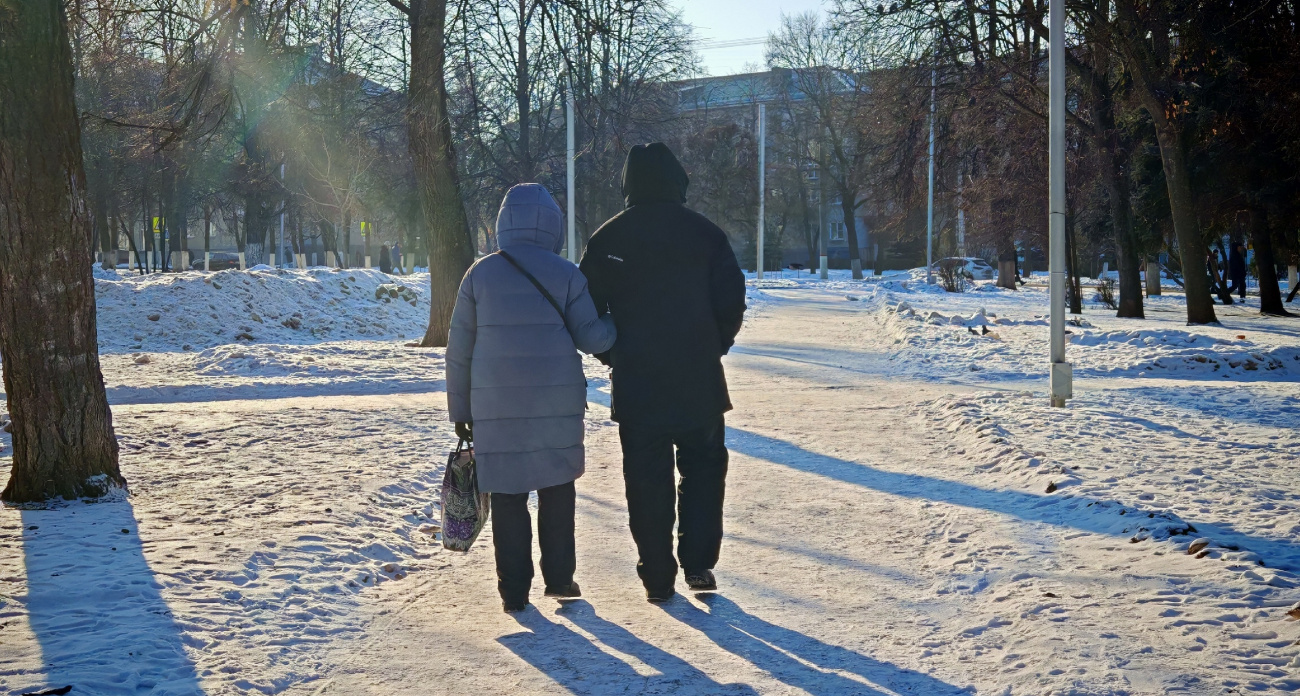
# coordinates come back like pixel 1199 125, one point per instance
pixel 671 280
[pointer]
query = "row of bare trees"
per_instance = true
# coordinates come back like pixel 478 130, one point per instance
pixel 1183 127
pixel 310 112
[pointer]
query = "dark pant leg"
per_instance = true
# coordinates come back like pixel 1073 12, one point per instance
pixel 555 510
pixel 512 540
pixel 648 477
pixel 702 462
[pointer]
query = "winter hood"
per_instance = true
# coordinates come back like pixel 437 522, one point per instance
pixel 652 174
pixel 529 216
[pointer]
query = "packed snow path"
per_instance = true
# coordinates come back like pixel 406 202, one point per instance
pixel 889 529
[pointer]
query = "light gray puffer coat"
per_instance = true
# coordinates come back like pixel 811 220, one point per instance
pixel 513 367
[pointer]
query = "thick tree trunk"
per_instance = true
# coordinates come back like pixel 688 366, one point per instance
pixel 1261 237
pixel 1150 71
pixel 1112 161
pixel 63 442
pixel 450 249
pixel 847 201
pixel 1153 277
pixel 1191 246
pixel 1127 259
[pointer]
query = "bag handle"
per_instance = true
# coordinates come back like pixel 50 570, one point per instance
pixel 537 284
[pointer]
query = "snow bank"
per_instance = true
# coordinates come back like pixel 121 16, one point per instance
pixel 195 310
pixel 959 331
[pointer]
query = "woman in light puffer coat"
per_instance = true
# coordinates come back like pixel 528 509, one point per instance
pixel 515 384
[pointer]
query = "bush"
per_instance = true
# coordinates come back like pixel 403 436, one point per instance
pixel 1106 293
pixel 953 276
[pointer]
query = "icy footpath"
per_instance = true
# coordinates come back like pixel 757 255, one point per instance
pixel 1180 440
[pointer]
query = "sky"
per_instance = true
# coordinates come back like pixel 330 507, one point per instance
pixel 736 20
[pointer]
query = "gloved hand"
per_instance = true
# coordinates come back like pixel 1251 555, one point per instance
pixel 465 431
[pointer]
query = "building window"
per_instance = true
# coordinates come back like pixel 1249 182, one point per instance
pixel 838 232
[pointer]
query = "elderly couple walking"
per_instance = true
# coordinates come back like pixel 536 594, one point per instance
pixel 658 297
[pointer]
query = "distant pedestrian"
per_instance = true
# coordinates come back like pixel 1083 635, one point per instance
pixel 398 261
pixel 1220 288
pixel 516 389
pixel 385 259
pixel 1237 268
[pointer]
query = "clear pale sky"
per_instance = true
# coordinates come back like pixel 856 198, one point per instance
pixel 726 20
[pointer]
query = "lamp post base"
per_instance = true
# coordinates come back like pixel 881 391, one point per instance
pixel 1062 383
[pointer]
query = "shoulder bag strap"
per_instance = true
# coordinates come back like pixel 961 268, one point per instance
pixel 536 284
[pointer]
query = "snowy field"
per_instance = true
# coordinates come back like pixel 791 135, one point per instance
pixel 905 514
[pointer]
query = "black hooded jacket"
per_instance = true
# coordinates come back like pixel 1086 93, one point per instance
pixel 671 280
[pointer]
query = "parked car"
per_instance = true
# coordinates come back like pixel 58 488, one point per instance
pixel 979 269
pixel 221 261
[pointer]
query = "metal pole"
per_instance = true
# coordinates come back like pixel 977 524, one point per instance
pixel 929 210
pixel 1062 376
pixel 762 180
pixel 568 118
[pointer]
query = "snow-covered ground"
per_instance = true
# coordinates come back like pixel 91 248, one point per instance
pixel 905 514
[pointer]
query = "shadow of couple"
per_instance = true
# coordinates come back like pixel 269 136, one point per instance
pixel 797 660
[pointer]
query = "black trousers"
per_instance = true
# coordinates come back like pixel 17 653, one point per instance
pixel 1238 286
pixel 701 459
pixel 512 540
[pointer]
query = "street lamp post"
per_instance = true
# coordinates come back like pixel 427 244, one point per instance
pixel 929 208
pixel 568 173
pixel 1062 375
pixel 762 180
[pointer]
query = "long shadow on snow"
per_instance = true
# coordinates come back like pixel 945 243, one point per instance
pixel 799 660
pixel 577 664
pixel 95 607
pixel 1059 510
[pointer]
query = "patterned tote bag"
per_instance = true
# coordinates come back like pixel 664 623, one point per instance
pixel 464 509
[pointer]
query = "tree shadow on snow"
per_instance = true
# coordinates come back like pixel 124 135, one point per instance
pixel 1061 510
pixel 194 393
pixel 95 607
pixel 579 665
pixel 799 660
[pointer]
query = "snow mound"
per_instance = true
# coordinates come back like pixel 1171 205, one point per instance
pixel 974 424
pixel 195 310
pixel 1172 351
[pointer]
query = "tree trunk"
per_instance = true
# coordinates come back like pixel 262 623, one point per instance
pixel 207 234
pixel 1127 260
pixel 1111 162
pixel 1261 237
pixel 63 442
pixel 1153 277
pixel 1072 268
pixel 102 225
pixel 450 248
pixel 1150 72
pixel 347 240
pixel 1191 246
pixel 847 201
